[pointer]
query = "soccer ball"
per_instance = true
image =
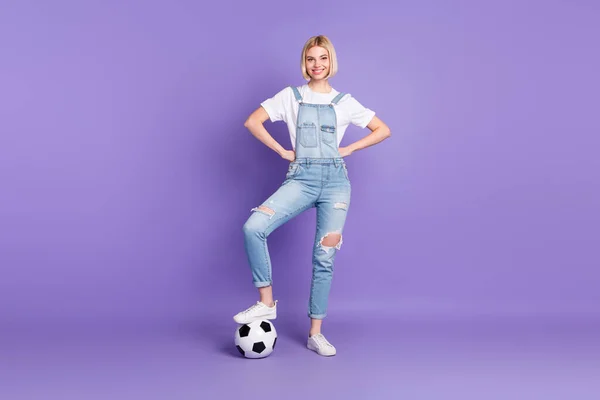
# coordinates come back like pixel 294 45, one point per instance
pixel 256 339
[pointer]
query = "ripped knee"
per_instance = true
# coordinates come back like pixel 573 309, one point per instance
pixel 265 210
pixel 331 240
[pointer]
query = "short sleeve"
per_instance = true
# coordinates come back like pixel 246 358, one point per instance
pixel 276 105
pixel 359 115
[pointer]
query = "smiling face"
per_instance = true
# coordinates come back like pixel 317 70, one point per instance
pixel 317 63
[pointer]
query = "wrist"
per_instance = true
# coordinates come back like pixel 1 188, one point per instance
pixel 279 150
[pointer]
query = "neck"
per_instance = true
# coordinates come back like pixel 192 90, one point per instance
pixel 320 86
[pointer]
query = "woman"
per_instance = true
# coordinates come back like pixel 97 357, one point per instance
pixel 317 116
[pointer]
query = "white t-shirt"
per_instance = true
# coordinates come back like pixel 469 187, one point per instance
pixel 284 107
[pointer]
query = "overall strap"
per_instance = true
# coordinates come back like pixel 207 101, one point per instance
pixel 337 98
pixel 297 93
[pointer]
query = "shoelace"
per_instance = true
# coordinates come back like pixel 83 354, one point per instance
pixel 321 340
pixel 253 307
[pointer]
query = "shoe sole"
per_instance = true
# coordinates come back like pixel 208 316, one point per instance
pixel 321 354
pixel 269 317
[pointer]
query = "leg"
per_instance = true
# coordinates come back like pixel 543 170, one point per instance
pixel 331 240
pixel 266 295
pixel 315 326
pixel 288 201
pixel 331 216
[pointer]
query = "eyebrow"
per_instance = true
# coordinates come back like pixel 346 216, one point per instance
pixel 322 55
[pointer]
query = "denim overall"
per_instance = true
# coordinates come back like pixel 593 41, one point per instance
pixel 316 178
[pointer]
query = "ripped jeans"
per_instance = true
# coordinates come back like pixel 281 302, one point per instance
pixel 322 183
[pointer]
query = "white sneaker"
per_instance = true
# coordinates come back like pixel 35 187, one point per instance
pixel 255 312
pixel 319 344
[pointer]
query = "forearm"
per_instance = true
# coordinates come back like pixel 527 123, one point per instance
pixel 258 131
pixel 376 136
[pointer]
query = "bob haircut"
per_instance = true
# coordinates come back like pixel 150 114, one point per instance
pixel 321 41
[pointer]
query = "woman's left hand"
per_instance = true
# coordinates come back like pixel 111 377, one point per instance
pixel 345 151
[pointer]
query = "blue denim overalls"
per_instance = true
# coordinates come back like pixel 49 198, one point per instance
pixel 316 178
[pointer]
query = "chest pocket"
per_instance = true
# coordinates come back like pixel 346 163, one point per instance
pixel 307 134
pixel 328 133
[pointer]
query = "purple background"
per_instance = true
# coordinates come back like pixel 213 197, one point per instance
pixel 126 175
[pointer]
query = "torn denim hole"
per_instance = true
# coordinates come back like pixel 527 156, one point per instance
pixel 264 210
pixel 337 246
pixel 340 206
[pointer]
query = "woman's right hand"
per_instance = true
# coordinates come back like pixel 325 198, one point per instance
pixel 289 155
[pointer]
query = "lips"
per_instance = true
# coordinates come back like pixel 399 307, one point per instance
pixel 317 71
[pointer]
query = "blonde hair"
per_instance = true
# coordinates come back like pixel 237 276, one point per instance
pixel 321 41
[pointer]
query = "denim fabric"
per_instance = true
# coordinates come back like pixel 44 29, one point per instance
pixel 318 177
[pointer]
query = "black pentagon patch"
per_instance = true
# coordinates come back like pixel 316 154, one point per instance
pixel 265 326
pixel 259 347
pixel 240 350
pixel 274 341
pixel 244 330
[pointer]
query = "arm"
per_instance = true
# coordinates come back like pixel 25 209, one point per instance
pixel 254 123
pixel 379 132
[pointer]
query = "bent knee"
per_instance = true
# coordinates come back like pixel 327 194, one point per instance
pixel 258 221
pixel 269 212
pixel 253 226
